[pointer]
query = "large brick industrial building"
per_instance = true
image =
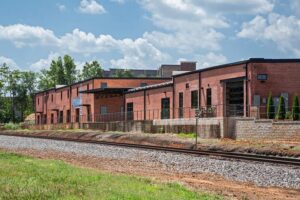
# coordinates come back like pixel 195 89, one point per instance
pixel 239 88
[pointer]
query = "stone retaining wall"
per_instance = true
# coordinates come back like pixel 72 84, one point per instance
pixel 247 128
pixel 53 126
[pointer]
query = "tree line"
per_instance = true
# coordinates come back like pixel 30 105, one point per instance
pixel 17 88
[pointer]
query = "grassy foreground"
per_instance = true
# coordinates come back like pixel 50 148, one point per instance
pixel 23 177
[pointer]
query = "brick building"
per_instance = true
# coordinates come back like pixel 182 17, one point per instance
pixel 234 89
pixel 87 100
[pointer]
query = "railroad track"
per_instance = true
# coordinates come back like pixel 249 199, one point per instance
pixel 223 154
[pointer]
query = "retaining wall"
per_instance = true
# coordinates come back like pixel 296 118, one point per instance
pixel 247 128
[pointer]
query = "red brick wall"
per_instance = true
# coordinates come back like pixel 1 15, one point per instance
pixel 137 98
pixel 180 86
pixel 114 104
pixel 211 79
pixel 131 83
pixel 153 101
pixel 282 77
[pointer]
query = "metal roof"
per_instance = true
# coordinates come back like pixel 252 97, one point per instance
pixel 106 90
pixel 164 84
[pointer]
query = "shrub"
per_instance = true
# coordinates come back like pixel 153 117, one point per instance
pixel 289 115
pixel 281 109
pixel 295 108
pixel 12 126
pixel 270 107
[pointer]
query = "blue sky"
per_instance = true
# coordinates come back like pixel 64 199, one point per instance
pixel 147 33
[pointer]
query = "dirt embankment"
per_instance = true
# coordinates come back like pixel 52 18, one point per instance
pixel 278 148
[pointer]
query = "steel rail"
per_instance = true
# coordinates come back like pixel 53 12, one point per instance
pixel 223 154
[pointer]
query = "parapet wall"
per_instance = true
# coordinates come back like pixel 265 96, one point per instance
pixel 249 128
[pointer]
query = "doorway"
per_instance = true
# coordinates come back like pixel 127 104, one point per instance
pixel 77 114
pixel 180 104
pixel 165 108
pixel 129 111
pixel 235 98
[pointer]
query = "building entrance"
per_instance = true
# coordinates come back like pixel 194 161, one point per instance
pixel 235 98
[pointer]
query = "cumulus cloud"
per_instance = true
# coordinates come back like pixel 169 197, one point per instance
pixel 61 7
pixel 44 62
pixel 295 6
pixel 138 53
pixel 24 35
pixel 236 6
pixel 10 62
pixel 280 29
pixel 118 1
pixel 91 7
pixel 192 25
pixel 82 42
pixel 210 59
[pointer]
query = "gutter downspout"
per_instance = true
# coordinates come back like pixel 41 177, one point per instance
pixel 246 69
pixel 70 99
pixel 144 104
pixel 199 91
pixel 173 99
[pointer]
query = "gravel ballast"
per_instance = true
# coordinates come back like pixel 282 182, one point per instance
pixel 262 174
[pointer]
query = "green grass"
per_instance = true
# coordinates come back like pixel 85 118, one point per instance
pixel 11 126
pixel 186 135
pixel 23 177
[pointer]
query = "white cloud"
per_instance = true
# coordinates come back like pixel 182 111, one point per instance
pixel 295 6
pixel 91 7
pixel 210 59
pixel 10 62
pixel 118 1
pixel 190 26
pixel 44 63
pixel 236 6
pixel 138 53
pixel 24 35
pixel 82 42
pixel 282 30
pixel 61 7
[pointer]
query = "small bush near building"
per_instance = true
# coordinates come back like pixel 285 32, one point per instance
pixel 295 108
pixel 12 126
pixel 281 109
pixel 270 107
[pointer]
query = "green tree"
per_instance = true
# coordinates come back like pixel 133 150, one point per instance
pixel 26 90
pixel 281 112
pixel 91 70
pixel 295 108
pixel 16 94
pixel 4 100
pixel 61 72
pixel 123 73
pixel 69 70
pixel 270 107
pixel 12 89
pixel 45 80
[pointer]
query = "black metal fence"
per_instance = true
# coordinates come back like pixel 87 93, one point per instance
pixel 259 112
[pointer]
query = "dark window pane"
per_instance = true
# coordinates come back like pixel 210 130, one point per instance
pixel 208 97
pixel 194 99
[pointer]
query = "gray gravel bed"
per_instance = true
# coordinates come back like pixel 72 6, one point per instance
pixel 262 174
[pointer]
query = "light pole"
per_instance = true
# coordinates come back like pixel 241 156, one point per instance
pixel 197 115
